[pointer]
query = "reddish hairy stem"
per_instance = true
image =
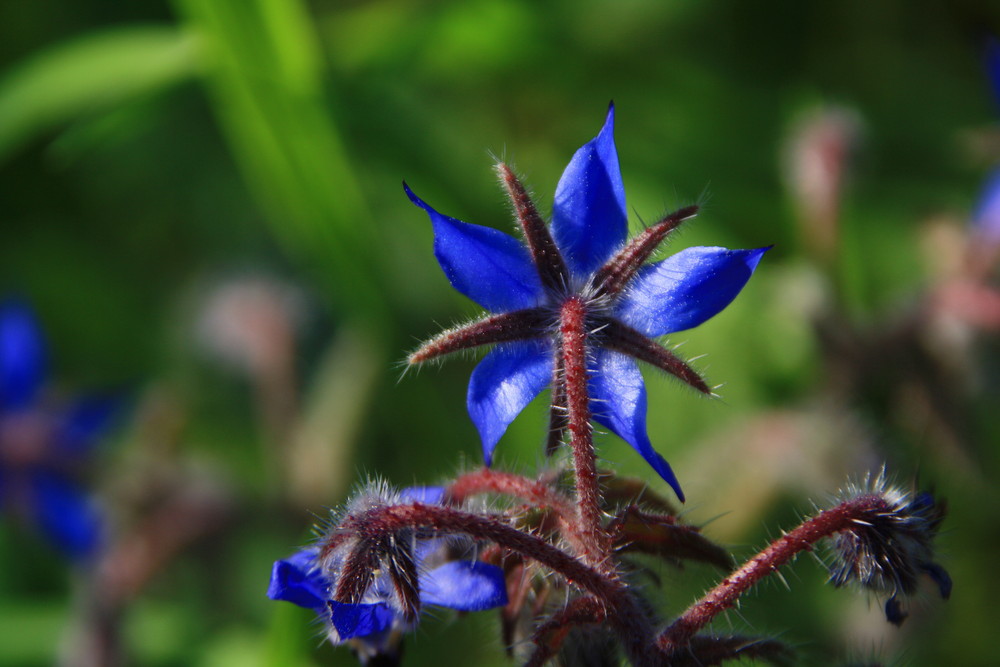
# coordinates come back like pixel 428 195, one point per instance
pixel 491 481
pixel 548 638
pixel 535 493
pixel 389 519
pixel 573 329
pixel 558 420
pixel 777 554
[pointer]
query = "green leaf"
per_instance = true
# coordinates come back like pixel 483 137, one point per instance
pixel 88 75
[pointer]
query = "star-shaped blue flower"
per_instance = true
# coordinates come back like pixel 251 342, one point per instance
pixel 42 448
pixel 465 585
pixel 584 257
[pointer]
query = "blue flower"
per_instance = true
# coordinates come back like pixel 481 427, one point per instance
pixel 986 218
pixel 43 448
pixel 584 256
pixel 374 624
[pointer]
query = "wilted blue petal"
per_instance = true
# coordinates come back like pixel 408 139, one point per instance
pixel 940 577
pixel 686 289
pixel 502 385
pixel 66 515
pixel 360 620
pixel 464 585
pixel 618 401
pixel 589 221
pixel 85 422
pixel 297 580
pixel 491 268
pixel 22 356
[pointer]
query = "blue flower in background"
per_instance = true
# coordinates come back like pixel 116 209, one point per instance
pixel 584 255
pixel 986 218
pixel 375 625
pixel 43 449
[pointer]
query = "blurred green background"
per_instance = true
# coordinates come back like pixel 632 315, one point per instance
pixel 175 174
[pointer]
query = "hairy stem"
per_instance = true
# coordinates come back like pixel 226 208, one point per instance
pixel 573 330
pixel 549 636
pixel 535 493
pixel 767 562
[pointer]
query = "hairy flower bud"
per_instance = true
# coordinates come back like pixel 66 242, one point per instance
pixel 369 583
pixel 889 550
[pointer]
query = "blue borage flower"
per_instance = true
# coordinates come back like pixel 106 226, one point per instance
pixel 42 448
pixel 375 624
pixel 583 255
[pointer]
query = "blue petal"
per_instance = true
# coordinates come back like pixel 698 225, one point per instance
pixel 66 515
pixel 986 219
pixel 429 495
pixel 22 356
pixel 85 422
pixel 465 586
pixel 491 268
pixel 589 221
pixel 686 289
pixel 618 401
pixel 298 580
pixel 360 620
pixel 502 385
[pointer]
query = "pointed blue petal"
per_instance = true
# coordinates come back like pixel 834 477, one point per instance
pixel 465 586
pixel 429 495
pixel 297 580
pixel 491 268
pixel 618 401
pixel 67 516
pixel 360 620
pixel 589 221
pixel 502 385
pixel 686 289
pixel 22 356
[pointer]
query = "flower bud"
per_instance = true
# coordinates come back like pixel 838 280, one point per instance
pixel 888 551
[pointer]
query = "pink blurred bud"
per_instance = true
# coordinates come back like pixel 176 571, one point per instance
pixel 817 157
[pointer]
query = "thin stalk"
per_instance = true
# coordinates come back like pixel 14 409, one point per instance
pixel 536 494
pixel 778 553
pixel 572 322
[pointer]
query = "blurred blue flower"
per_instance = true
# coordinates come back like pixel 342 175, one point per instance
pixel 986 218
pixel 993 64
pixel 583 255
pixel 375 625
pixel 43 449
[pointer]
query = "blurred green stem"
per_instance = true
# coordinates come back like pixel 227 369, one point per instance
pixel 264 72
